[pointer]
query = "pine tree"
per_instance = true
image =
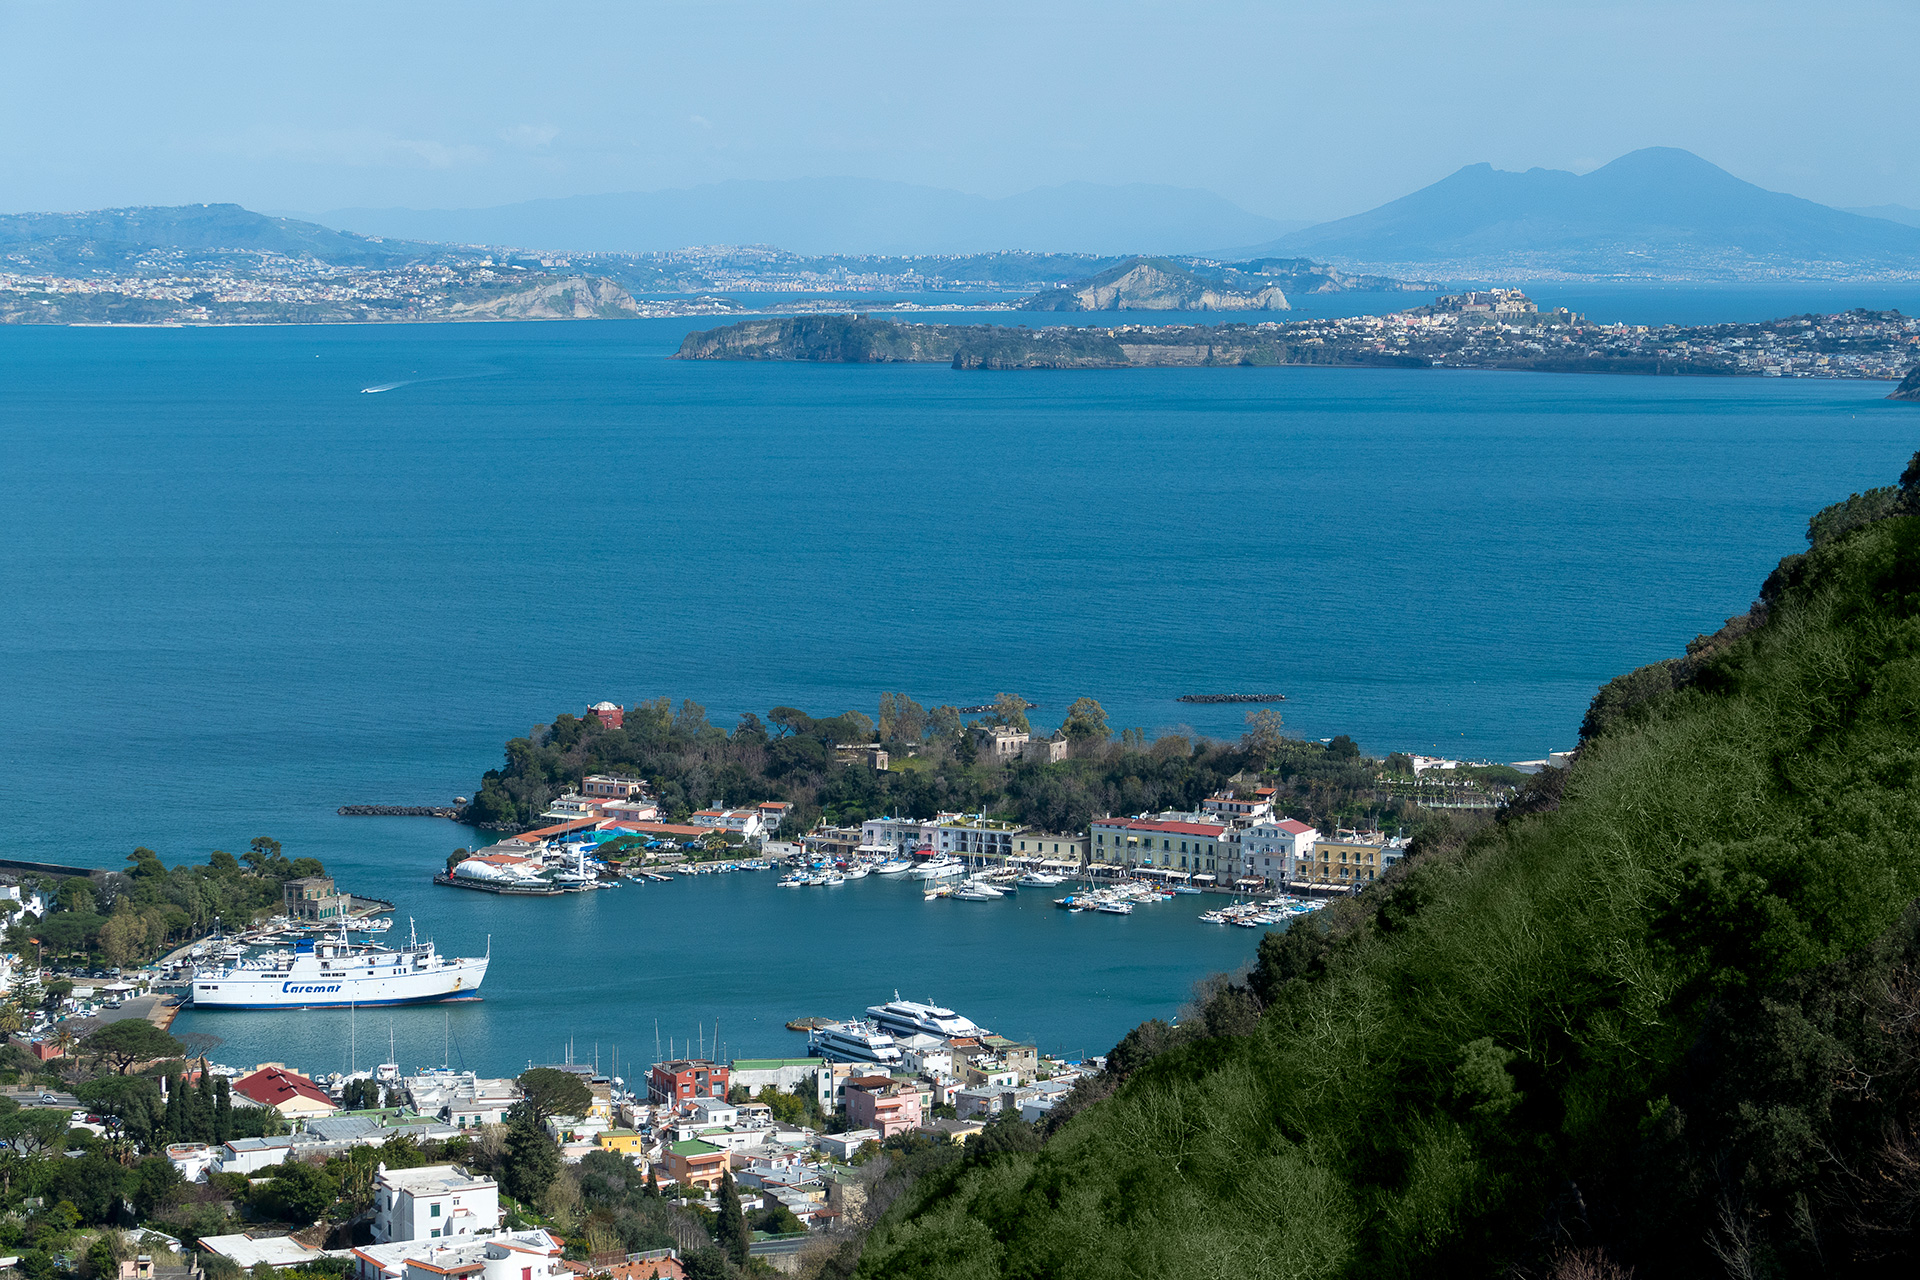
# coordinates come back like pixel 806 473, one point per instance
pixel 653 1183
pixel 532 1161
pixel 203 1105
pixel 730 1228
pixel 177 1109
pixel 222 1111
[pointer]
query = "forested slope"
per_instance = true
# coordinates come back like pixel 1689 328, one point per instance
pixel 1664 1015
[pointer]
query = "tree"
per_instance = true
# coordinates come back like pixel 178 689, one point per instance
pixel 901 719
pixel 531 1160
pixel 130 1041
pixel 298 1192
pixel 147 865
pixel 262 853
pixel 222 1110
pixel 1086 722
pixel 34 1132
pixel 1343 748
pixel 730 1228
pixel 548 1091
pixel 1263 738
pixel 1010 709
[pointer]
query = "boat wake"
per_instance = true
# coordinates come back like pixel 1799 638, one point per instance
pixel 409 382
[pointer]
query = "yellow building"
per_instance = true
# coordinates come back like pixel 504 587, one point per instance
pixel 1346 861
pixel 626 1141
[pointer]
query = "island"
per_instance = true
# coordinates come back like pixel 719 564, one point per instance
pixel 1166 284
pixel 1909 388
pixel 1490 329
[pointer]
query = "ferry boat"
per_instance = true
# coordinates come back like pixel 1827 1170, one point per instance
pixel 852 1042
pixel 333 972
pixel 910 1017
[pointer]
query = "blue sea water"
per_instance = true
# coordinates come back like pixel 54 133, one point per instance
pixel 242 590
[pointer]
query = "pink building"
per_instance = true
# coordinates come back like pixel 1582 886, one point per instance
pixel 884 1104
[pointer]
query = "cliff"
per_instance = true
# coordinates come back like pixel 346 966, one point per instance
pixel 1909 388
pixel 573 298
pixel 836 339
pixel 1155 284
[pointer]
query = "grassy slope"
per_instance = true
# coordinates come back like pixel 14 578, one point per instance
pixel 1491 1036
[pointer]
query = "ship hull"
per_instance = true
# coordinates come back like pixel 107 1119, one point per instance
pixel 312 989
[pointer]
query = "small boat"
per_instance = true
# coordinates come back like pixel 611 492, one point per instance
pixel 1183 888
pixel 832 880
pixel 856 871
pixel 1114 908
pixel 973 893
pixel 798 880
pixel 893 867
pixel 1038 880
pixel 982 886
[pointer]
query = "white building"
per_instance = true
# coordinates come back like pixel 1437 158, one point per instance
pixel 1273 850
pixel 461 1098
pixel 749 824
pixel 514 1255
pixel 1228 807
pixel 437 1202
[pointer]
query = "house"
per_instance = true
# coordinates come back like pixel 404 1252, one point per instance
pixel 192 1159
pixel 748 824
pixel 510 1255
pixel 878 1102
pixel 782 1074
pixel 1272 851
pixel 685 1080
pixel 696 1163
pixel 871 754
pixel 435 1202
pixel 461 1098
pixel 626 1142
pixel 313 898
pixel 841 1146
pixel 655 1264
pixel 610 714
pixel 1000 742
pixel 248 1251
pixel 637 810
pixel 1229 807
pixel 288 1092
pixel 1049 750
pixel 250 1155
pixel 773 813
pixel 1201 849
pixel 1348 861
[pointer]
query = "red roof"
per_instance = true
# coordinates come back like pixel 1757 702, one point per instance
pixel 274 1085
pixel 1293 828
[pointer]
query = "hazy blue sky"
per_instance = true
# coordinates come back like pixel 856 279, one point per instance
pixel 1306 110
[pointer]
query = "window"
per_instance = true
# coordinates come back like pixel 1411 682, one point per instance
pixel 434 1234
pixel 434 1212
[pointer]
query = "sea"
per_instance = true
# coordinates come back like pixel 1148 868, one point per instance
pixel 253 574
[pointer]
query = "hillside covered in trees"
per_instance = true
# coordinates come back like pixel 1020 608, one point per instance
pixel 1663 1018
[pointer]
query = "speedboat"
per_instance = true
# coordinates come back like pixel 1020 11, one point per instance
pixel 855 871
pixel 1114 908
pixel 1039 880
pixel 938 869
pixel 832 880
pixel 893 867
pixel 973 893
pixel 798 880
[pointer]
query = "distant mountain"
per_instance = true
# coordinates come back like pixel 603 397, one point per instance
pixel 1155 284
pixel 1660 211
pixel 1892 213
pixel 842 215
pixel 115 240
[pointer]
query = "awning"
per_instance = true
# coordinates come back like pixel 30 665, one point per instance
pixel 1206 879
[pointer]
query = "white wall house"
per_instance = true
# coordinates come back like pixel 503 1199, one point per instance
pixel 514 1255
pixel 749 824
pixel 437 1202
pixel 1271 851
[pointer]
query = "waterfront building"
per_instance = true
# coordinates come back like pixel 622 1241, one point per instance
pixel 1001 742
pixel 749 824
pixel 1348 861
pixel 313 898
pixel 686 1080
pixel 831 842
pixel 288 1092
pixel 435 1202
pixel 1272 851
pixel 638 809
pixel 1200 849
pixel 1052 846
pixel 1048 750
pixel 610 714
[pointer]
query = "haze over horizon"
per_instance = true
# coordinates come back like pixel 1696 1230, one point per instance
pixel 1311 113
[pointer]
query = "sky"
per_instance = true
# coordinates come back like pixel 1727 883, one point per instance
pixel 1293 110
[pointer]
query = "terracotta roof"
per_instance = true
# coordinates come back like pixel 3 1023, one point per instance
pixel 1164 828
pixel 276 1085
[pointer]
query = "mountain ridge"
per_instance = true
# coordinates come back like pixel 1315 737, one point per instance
pixel 1659 210
pixel 841 215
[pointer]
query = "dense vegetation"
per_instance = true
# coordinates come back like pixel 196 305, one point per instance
pixel 1664 1015
pixel 790 756
pixel 123 919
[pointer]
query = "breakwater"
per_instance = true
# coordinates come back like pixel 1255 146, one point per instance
pixel 396 811
pixel 1231 697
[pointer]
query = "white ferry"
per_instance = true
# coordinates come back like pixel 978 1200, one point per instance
pixel 911 1018
pixel 852 1042
pixel 332 972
